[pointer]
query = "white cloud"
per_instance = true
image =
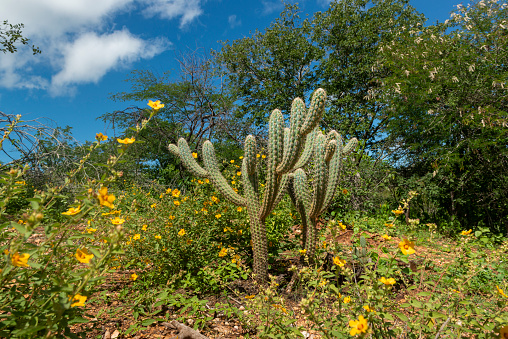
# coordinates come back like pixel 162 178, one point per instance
pixel 271 6
pixel 77 39
pixel 188 10
pixel 233 22
pixel 91 56
pixel 52 18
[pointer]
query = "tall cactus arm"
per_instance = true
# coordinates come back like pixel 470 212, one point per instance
pixel 257 227
pixel 184 153
pixel 335 167
pixel 216 176
pixel 250 155
pixel 315 112
pixel 303 199
pixel 308 148
pixel 275 153
pixel 294 140
pixel 330 149
pixel 320 175
pixel 282 191
pixel 351 145
pixel 334 172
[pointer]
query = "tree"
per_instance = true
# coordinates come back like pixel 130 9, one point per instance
pixel 271 66
pixel 10 35
pixel 197 106
pixel 448 102
pixel 336 50
pixel 350 33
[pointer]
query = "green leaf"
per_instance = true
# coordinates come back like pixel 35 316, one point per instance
pixel 20 228
pixel 147 322
pixel 437 315
pixel 401 316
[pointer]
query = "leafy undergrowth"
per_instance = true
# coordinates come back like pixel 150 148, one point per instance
pixel 446 288
pixel 127 260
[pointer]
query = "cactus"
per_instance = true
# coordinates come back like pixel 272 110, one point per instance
pixel 328 152
pixel 288 150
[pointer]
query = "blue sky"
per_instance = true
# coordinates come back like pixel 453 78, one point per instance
pixel 90 46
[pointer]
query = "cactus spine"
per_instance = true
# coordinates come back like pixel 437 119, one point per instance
pixel 288 149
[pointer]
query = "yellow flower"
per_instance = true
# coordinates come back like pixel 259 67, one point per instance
pixel 20 260
pixel 324 244
pixel 249 296
pixel 233 182
pixel 91 230
pixel 83 255
pixel 241 157
pixel 238 173
pixel 258 155
pixel 466 232
pixel 159 237
pixel 398 211
pixel 117 221
pixel 215 199
pixel 263 156
pixel 218 216
pixel 194 155
pixel 189 241
pixel 181 232
pixel 386 237
pixel 22 182
pixel 501 292
pixel 144 227
pixel 126 141
pixel 106 199
pixel 387 282
pixel 101 137
pixel 302 252
pixel 207 181
pixel 407 247
pixel 338 262
pixel 78 300
pixel 342 226
pixel 176 202
pixel 344 191
pixel 347 300
pixel 153 205
pixel 389 224
pixel 232 161
pixel 358 326
pixel 136 236
pixel 72 211
pixel 155 105
pixel 223 252
pixel 134 276
pixel 239 208
pixel 368 309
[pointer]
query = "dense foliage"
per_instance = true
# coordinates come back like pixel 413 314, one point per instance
pixel 412 246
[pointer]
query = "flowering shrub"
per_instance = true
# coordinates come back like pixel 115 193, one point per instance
pixel 48 269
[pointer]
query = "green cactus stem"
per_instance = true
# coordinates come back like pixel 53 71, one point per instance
pixel 288 149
